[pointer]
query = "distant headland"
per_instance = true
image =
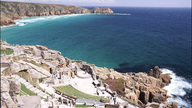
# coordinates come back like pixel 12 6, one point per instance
pixel 11 11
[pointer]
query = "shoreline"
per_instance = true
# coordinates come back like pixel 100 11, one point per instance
pixel 8 17
pixel 102 71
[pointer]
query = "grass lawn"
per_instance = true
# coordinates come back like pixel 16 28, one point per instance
pixel 69 90
pixel 26 90
pixel 7 51
pixel 83 106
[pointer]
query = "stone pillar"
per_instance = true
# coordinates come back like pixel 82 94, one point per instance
pixel 71 103
pixel 61 100
pixel 48 98
pixel 67 102
pixel 53 106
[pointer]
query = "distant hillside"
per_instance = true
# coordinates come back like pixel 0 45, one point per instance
pixel 11 11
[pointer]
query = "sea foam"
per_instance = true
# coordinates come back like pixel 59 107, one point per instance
pixel 123 14
pixel 21 22
pixel 176 89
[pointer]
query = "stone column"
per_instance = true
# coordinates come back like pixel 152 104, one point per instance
pixel 53 106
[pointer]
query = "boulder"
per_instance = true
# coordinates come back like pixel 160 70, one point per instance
pixel 155 72
pixel 174 105
pixel 9 91
pixel 165 78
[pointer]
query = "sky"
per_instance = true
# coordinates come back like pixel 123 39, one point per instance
pixel 119 3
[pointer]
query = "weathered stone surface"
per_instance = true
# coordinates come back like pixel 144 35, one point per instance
pixel 35 74
pixel 157 95
pixel 155 72
pixel 174 105
pixel 165 78
pixel 9 91
pixel 55 62
pixel 35 101
pixel 16 67
pixel 144 97
pixel 4 85
pixel 36 51
pixel 15 86
pixel 46 55
pixel 68 62
pixel 97 10
pixel 132 97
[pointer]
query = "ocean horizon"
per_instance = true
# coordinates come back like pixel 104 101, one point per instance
pixel 133 40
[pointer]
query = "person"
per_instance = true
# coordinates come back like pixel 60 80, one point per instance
pixel 114 100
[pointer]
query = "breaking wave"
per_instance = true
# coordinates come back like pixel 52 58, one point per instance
pixel 123 14
pixel 177 88
pixel 24 21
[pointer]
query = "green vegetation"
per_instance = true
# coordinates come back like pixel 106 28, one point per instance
pixel 8 58
pixel 7 51
pixel 45 66
pixel 32 62
pixel 154 106
pixel 24 74
pixel 40 80
pixel 116 85
pixel 25 90
pixel 69 90
pixel 27 76
pixel 83 106
pixel 6 72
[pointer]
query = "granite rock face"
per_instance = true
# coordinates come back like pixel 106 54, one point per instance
pixel 97 10
pixel 140 88
pixel 11 11
pixel 155 72
pixel 165 78
pixel 16 67
pixel 9 91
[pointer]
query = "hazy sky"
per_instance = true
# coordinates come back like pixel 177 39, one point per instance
pixel 134 3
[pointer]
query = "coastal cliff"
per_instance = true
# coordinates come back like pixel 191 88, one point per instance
pixel 11 11
pixel 139 89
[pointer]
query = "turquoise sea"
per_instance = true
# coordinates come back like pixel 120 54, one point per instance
pixel 134 40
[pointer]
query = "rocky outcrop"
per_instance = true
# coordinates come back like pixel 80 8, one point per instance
pixel 16 67
pixel 155 72
pixel 9 91
pixel 11 11
pixel 139 88
pixel 165 78
pixel 97 10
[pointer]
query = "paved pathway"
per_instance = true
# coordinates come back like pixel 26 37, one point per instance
pixel 89 102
